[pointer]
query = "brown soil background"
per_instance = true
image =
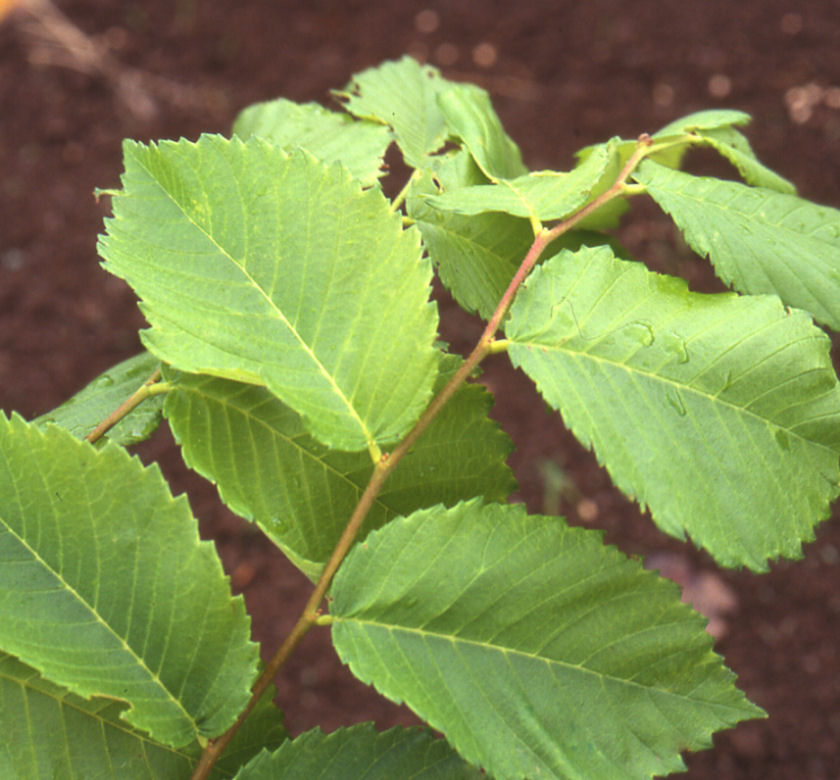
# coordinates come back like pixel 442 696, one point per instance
pixel 562 75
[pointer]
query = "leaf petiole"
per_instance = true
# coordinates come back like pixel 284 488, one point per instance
pixel 498 345
pixel 152 386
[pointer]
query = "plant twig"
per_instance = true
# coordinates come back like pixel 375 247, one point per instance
pixel 389 461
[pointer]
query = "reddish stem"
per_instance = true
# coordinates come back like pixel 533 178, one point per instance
pixel 390 460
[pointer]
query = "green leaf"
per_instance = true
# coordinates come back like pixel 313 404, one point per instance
pixel 49 732
pixel 262 729
pixel 535 194
pixel 297 278
pixel 759 240
pixel 714 128
pixel 710 119
pixel 719 412
pixel 331 137
pixel 107 589
pixel 476 257
pixel 732 145
pixel 302 494
pixel 542 195
pixel 402 95
pixel 361 751
pixel 92 404
pixel 470 116
pixel 536 650
pixel 609 158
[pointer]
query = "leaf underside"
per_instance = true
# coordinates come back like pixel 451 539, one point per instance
pixel 331 137
pixel 300 493
pixel 716 128
pixel 535 649
pixel 402 95
pixel 721 413
pixel 93 403
pixel 709 119
pixel 758 240
pixel 361 751
pixel 279 271
pixel 470 116
pixel 476 257
pixel 108 590
pixel 49 732
pixel 733 146
pixel 539 196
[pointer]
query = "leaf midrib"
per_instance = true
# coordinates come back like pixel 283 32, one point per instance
pixel 227 403
pixel 453 639
pixel 735 207
pixel 68 588
pixel 708 397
